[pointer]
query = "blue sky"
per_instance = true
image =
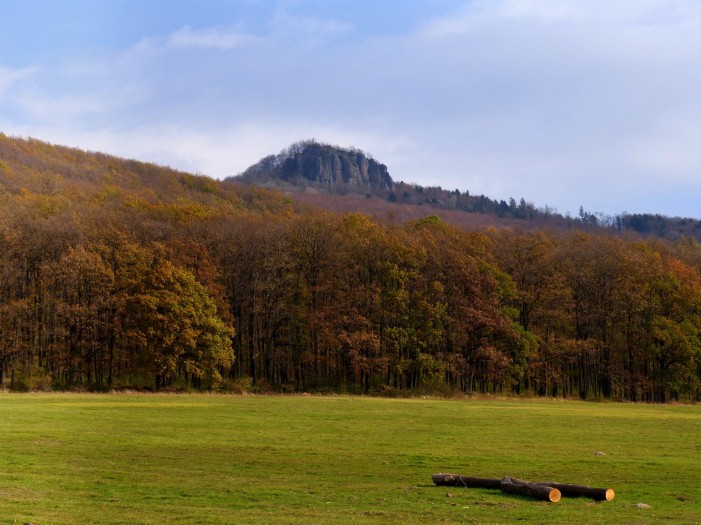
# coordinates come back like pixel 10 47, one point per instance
pixel 561 102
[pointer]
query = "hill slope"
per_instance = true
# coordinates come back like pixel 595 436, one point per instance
pixel 29 166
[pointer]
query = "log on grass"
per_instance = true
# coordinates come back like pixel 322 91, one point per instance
pixel 563 489
pixel 456 480
pixel 532 490
pixel 573 491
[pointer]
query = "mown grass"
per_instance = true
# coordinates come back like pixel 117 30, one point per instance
pixel 184 459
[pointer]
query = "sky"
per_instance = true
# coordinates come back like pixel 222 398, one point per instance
pixel 564 103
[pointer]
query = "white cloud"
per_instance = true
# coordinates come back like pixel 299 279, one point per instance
pixel 672 149
pixel 310 29
pixel 10 77
pixel 559 92
pixel 207 38
pixel 283 26
pixel 38 105
pixel 543 9
pixel 475 15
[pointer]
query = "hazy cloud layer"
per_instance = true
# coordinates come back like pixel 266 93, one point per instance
pixel 562 102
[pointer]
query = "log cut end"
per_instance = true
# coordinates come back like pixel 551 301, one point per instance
pixel 554 496
pixel 610 494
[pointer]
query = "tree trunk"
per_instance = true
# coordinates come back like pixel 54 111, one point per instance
pixel 573 491
pixel 456 480
pixel 532 490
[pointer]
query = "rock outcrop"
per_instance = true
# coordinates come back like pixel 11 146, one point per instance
pixel 332 168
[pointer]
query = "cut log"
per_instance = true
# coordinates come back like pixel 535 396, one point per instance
pixel 544 490
pixel 532 490
pixel 456 480
pixel 573 491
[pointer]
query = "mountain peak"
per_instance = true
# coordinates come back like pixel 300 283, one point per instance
pixel 311 163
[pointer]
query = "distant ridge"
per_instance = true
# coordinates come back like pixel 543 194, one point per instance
pixel 322 171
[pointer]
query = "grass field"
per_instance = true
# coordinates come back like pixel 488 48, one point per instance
pixel 185 459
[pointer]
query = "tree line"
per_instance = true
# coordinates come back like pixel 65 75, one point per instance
pixel 343 303
pixel 104 286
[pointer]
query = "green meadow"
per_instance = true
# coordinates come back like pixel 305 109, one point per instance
pixel 186 459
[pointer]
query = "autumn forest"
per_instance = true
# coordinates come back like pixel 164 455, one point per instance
pixel 118 274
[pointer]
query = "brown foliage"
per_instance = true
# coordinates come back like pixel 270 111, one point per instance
pixel 118 273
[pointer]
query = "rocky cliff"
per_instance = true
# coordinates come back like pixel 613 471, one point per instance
pixel 329 167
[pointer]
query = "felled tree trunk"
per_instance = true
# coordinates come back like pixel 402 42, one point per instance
pixel 532 490
pixel 573 491
pixel 456 480
pixel 544 490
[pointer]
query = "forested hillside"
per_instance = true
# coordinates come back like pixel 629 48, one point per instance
pixel 115 273
pixel 317 173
